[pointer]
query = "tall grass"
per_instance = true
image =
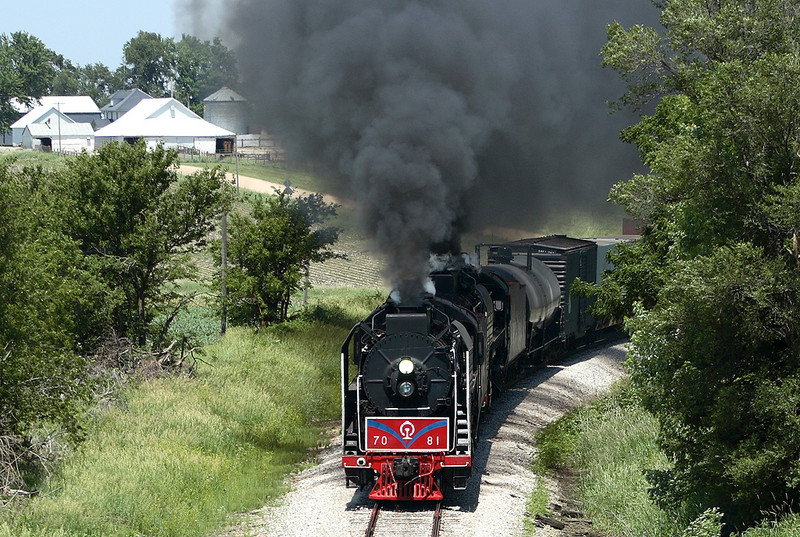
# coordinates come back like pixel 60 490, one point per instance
pixel 614 450
pixel 786 528
pixel 608 446
pixel 27 157
pixel 177 456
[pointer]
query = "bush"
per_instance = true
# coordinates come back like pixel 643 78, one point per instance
pixel 708 524
pixel 716 362
pixel 270 252
pixel 44 297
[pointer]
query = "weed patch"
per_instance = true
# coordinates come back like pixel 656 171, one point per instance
pixel 176 456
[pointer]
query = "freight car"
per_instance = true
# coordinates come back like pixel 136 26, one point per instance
pixel 427 368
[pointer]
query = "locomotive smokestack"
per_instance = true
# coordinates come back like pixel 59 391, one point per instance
pixel 411 292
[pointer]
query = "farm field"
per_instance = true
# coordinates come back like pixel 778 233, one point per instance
pixel 363 267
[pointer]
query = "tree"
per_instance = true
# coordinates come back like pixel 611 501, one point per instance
pixel 130 213
pixel 149 63
pixel 203 67
pixel 94 80
pixel 197 68
pixel 271 251
pixel 48 302
pixel 26 73
pixel 715 332
pixel 717 361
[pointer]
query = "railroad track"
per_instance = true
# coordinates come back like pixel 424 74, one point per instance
pixel 403 522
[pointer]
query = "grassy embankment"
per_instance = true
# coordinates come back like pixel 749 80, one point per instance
pixel 175 456
pixel 601 452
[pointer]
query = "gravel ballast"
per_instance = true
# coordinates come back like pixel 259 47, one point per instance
pixel 493 503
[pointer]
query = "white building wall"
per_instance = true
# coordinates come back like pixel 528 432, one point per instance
pixel 205 145
pixel 68 144
pixel 16 136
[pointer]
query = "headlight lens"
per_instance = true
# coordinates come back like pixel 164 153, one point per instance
pixel 405 388
pixel 406 366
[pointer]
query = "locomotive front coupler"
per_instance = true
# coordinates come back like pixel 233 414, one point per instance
pixel 406 467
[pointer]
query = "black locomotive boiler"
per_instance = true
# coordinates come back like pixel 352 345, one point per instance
pixel 417 375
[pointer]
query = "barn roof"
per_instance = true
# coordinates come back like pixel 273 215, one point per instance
pixel 66 104
pixel 161 117
pixel 43 130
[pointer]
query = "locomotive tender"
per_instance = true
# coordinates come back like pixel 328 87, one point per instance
pixel 426 368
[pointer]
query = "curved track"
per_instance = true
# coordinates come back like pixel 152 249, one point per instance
pixel 493 505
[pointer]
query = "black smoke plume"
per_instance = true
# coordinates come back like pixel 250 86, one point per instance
pixel 439 113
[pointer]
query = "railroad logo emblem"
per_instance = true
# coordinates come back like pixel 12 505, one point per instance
pixel 407 430
pixel 407 434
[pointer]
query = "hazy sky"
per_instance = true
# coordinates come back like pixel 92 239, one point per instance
pixel 91 31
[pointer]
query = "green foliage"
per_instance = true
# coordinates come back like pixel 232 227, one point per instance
pixel 557 442
pixel 197 67
pixel 789 527
pixel 716 361
pixel 708 524
pixel 95 80
pixel 149 61
pixel 270 252
pixel 538 504
pixel 179 455
pixel 203 67
pixel 714 329
pixel 605 447
pixel 45 298
pixel 26 73
pixel 135 220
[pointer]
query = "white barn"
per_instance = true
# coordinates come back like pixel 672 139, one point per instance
pixel 68 137
pixel 168 122
pixel 81 109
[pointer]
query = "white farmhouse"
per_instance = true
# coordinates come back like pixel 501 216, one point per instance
pixel 168 122
pixel 121 102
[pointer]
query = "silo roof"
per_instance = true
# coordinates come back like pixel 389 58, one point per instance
pixel 224 94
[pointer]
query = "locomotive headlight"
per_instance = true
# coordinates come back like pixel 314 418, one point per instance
pixel 405 388
pixel 406 367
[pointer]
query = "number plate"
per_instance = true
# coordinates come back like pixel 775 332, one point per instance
pixel 408 434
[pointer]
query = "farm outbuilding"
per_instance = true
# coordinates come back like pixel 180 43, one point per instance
pixel 167 122
pixel 68 137
pixel 227 109
pixel 80 109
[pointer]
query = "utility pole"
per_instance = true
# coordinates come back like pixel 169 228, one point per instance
pixel 58 106
pixel 236 149
pixel 224 273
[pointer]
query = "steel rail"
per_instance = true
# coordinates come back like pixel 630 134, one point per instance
pixel 437 520
pixel 373 520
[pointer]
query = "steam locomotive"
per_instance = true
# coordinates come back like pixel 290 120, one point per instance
pixel 426 369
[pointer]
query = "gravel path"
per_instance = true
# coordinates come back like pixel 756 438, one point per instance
pixel 493 503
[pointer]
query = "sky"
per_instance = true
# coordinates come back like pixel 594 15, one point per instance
pixel 92 31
